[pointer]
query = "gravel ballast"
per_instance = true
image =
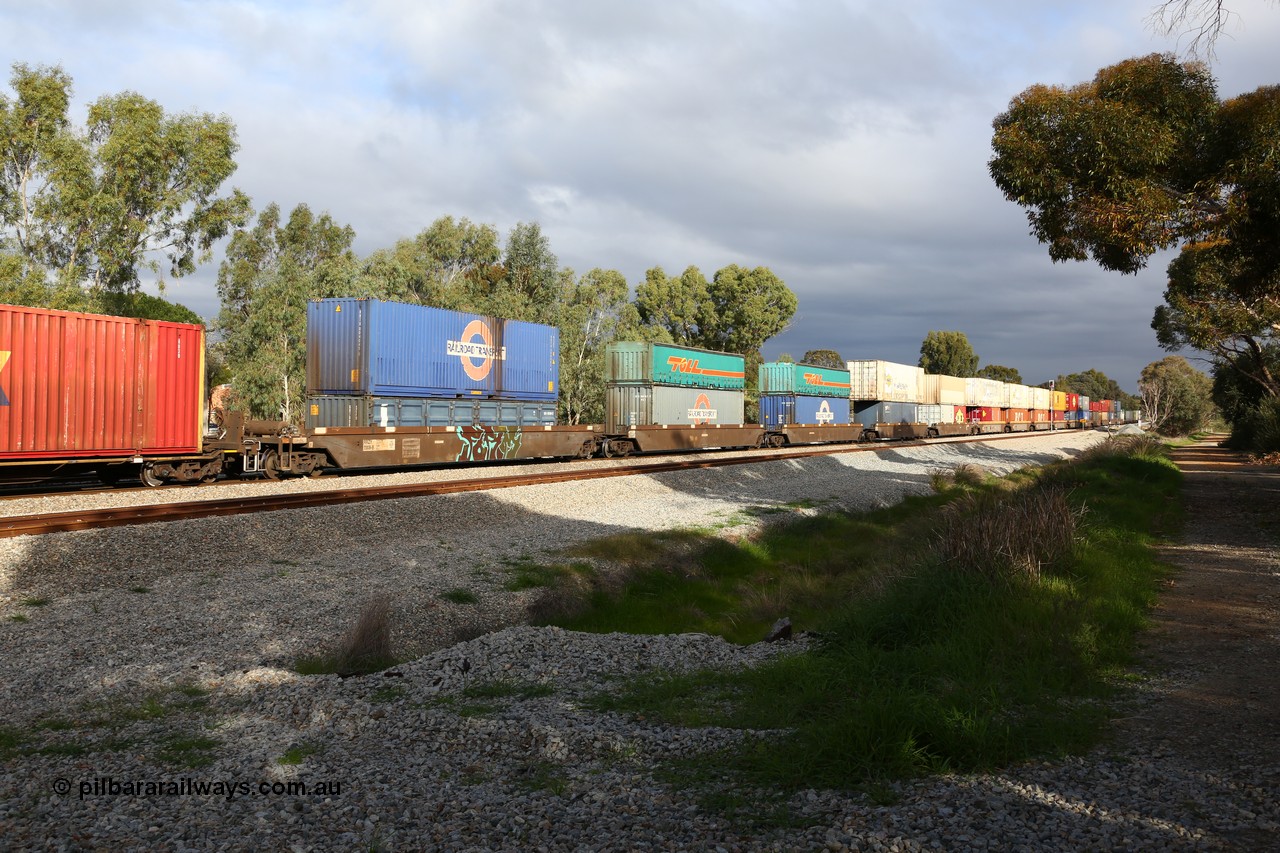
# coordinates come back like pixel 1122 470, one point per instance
pixel 149 700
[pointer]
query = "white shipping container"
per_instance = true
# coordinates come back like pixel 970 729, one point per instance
pixel 988 393
pixel 947 390
pixel 1016 396
pixel 1041 398
pixel 870 379
pixel 934 414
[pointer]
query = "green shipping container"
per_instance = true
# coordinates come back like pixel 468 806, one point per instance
pixel 681 367
pixel 783 377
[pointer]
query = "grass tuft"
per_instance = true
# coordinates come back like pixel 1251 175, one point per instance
pixel 365 649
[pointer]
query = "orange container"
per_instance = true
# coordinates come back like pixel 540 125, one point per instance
pixel 87 386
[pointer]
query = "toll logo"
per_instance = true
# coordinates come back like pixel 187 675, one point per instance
pixel 4 361
pixel 817 380
pixel 702 412
pixel 680 364
pixel 476 350
pixel 825 415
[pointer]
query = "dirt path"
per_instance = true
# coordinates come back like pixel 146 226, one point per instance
pixel 1214 647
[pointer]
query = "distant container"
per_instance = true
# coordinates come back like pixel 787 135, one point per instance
pixel 335 411
pixel 1084 403
pixel 787 409
pixel 942 389
pixel 393 349
pixel 1059 403
pixel 988 393
pixel 1077 414
pixel 1115 407
pixel 78 385
pixel 664 364
pixel 1016 396
pixel 871 413
pixel 783 377
pixel 1041 398
pixel 1018 416
pixel 629 406
pixel 938 414
pixel 873 381
pixel 985 414
pixel 1073 401
pixel 1040 416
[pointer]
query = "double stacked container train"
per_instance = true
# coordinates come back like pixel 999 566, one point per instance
pixel 805 403
pixel 661 397
pixel 395 385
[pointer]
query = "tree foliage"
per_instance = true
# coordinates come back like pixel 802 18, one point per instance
pixel 1175 396
pixel 1095 385
pixel 1145 157
pixel 1000 373
pixel 135 190
pixel 825 358
pixel 948 354
pixel 595 311
pixel 269 274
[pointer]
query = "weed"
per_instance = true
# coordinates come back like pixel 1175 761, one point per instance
pixel 139 589
pixel 508 689
pixel 33 602
pixel 296 754
pixel 187 751
pixel 389 693
pixel 542 776
pixel 19 618
pixel 459 596
pixel 366 648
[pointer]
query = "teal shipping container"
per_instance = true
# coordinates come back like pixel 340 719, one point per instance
pixel 681 367
pixel 784 377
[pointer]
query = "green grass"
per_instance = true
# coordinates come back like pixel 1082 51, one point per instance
pixel 681 581
pixel 296 755
pixel 508 690
pixel 190 751
pixel 459 596
pixel 33 602
pixel 925 666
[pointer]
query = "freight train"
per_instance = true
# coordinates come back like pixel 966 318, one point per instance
pixel 392 385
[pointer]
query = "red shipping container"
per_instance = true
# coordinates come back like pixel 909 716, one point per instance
pixel 89 386
pixel 1073 401
pixel 985 414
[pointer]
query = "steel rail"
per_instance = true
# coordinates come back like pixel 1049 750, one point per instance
pixel 39 524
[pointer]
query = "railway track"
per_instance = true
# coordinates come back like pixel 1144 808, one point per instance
pixel 44 523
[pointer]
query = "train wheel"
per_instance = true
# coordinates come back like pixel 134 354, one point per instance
pixel 621 449
pixel 271 465
pixel 147 474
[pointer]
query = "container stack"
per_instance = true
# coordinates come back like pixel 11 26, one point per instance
pixel 943 400
pixel 666 385
pixel 803 395
pixel 372 363
pixel 883 392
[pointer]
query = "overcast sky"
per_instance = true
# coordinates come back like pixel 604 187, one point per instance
pixel 842 145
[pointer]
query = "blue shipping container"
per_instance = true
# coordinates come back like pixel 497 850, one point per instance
pixel 870 414
pixel 786 409
pixel 393 349
pixel 334 411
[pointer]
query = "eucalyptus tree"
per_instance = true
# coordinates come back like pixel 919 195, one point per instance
pixel 269 273
pixel 948 353
pixel 134 191
pixel 1146 157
